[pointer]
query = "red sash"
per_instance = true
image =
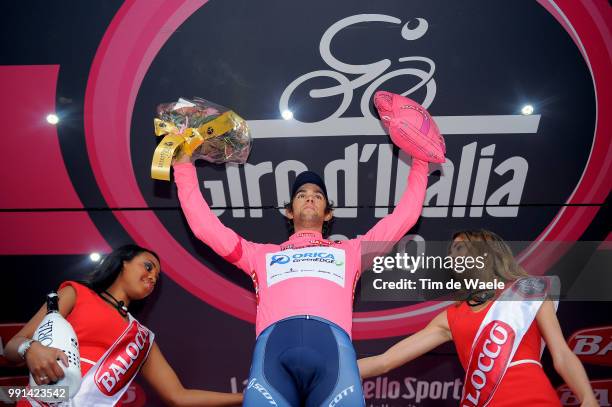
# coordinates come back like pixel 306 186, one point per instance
pixel 105 383
pixel 499 336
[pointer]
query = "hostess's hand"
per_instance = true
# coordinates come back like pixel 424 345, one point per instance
pixel 589 402
pixel 42 362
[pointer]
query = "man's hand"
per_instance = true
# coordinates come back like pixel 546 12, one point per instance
pixel 181 158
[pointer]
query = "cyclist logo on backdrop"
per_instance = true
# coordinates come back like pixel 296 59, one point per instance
pixel 372 75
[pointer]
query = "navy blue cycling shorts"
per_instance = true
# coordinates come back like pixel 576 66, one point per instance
pixel 304 361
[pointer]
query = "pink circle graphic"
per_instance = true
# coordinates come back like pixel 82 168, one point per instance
pixel 130 44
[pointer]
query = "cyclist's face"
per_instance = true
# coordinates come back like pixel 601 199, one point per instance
pixel 309 204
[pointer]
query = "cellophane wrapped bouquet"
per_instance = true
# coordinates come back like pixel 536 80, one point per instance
pixel 202 130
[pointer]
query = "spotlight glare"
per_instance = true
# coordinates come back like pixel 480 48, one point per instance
pixel 52 118
pixel 527 110
pixel 287 114
pixel 95 257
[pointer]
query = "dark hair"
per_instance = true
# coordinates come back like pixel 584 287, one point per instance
pixel 110 267
pixel 326 225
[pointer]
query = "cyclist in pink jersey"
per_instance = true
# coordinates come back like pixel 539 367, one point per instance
pixel 304 287
pixel 307 277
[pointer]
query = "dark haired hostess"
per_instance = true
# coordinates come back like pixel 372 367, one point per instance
pixel 98 311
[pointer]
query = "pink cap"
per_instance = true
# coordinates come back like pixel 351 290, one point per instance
pixel 410 126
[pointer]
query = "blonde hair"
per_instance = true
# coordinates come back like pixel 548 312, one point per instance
pixel 499 262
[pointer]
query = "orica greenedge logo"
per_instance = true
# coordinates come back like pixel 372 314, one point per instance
pixel 324 257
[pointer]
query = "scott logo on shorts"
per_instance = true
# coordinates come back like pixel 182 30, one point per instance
pixel 341 395
pixel 253 384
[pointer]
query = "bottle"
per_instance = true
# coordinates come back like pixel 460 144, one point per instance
pixel 55 332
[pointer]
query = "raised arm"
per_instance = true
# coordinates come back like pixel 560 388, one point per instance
pixel 204 223
pixel 566 363
pixel 395 225
pixel 434 334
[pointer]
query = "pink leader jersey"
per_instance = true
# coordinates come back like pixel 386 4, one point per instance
pixel 306 275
